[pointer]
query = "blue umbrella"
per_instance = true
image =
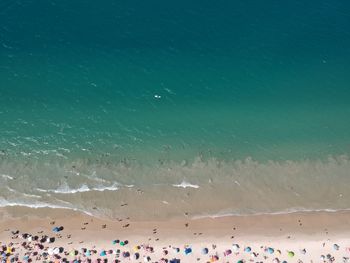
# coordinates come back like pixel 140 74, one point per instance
pixel 270 250
pixel 188 250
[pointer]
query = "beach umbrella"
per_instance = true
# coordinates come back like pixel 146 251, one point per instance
pixel 290 254
pixel 9 250
pixel 205 251
pixel 188 250
pixel 235 247
pixel 176 249
pixel 123 243
pixel 270 250
pixel 174 260
pixel 214 258
pixel 87 253
pixel 248 249
pixel 126 254
pixel 103 253
pixel 240 261
pixel 336 247
pixel 50 251
pixel 227 252
pixel 147 259
pixel 57 229
pixel 114 242
pixel 275 260
pixel 37 246
pixel 136 256
pixel 136 248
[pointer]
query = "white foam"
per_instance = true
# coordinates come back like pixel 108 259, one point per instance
pixel 283 212
pixel 113 187
pixel 24 194
pixel 42 190
pixel 65 189
pixel 185 184
pixel 31 195
pixel 6 176
pixel 37 205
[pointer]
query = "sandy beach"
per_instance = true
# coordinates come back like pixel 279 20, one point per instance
pixel 295 237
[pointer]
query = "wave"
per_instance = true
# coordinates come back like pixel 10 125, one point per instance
pixel 185 184
pixel 282 212
pixel 38 205
pixel 6 177
pixel 42 205
pixel 65 189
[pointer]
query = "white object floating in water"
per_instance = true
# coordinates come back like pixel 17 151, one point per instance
pixel 157 96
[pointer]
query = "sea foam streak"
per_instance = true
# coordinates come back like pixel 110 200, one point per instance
pixel 185 184
pixel 37 205
pixel 65 189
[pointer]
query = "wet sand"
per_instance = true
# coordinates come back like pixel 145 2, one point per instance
pixel 316 232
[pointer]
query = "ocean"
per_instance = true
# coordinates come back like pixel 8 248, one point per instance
pixel 201 107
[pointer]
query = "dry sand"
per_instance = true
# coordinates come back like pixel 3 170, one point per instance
pixel 316 232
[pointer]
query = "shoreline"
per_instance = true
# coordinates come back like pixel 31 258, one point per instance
pixel 317 232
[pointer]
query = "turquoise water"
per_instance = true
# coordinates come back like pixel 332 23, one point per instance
pixel 118 91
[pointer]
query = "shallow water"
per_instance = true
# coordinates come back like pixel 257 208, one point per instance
pixel 248 101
